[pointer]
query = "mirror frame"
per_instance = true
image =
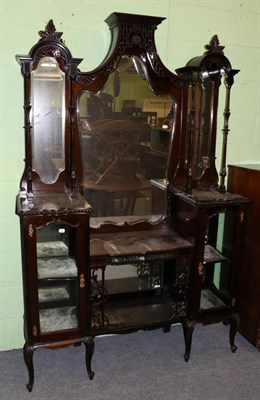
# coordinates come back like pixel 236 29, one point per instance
pixel 51 45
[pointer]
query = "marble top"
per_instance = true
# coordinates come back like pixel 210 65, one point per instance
pixel 209 197
pixel 137 242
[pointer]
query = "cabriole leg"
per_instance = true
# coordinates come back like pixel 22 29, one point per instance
pixel 28 359
pixel 90 346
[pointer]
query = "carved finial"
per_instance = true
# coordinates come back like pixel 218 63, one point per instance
pixel 50 33
pixel 213 46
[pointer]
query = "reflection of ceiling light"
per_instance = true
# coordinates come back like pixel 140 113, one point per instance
pixel 164 126
pixel 48 68
pixel 140 68
pixel 48 65
pixel 206 74
pixel 47 77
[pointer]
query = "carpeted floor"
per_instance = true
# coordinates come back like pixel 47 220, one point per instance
pixel 140 366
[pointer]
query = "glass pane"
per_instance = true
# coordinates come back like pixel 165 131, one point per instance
pixel 218 255
pixel 125 137
pixel 48 119
pixel 57 279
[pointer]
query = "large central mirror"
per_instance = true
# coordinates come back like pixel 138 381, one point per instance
pixel 126 132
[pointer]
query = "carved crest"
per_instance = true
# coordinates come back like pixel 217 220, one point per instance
pixel 50 33
pixel 213 46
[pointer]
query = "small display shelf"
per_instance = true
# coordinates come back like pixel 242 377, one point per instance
pixel 209 300
pixel 56 267
pixel 58 319
pixel 212 255
pixel 55 293
pixel 55 248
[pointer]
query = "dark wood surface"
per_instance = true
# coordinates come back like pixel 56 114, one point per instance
pixel 245 179
pixel 138 243
pixel 169 254
pixel 52 203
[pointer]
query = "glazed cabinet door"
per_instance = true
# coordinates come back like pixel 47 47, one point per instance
pixel 218 245
pixel 216 230
pixel 214 222
pixel 55 274
pixel 217 269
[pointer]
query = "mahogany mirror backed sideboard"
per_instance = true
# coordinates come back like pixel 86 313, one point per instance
pixel 125 222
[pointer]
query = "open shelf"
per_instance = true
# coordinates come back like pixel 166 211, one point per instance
pixel 136 312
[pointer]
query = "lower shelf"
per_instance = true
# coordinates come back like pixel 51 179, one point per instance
pixel 129 313
pixel 142 312
pixel 58 319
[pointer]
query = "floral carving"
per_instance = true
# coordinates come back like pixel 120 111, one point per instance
pixel 50 33
pixel 213 46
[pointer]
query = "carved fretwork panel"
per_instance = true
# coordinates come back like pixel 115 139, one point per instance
pixel 179 310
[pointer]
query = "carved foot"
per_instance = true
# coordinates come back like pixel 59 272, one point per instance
pixel 166 329
pixel 28 352
pixel 233 348
pixel 90 346
pixel 234 322
pixel 188 328
pixel 186 357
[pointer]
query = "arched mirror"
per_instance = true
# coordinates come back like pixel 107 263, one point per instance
pixel 48 120
pixel 211 76
pixel 200 116
pixel 125 132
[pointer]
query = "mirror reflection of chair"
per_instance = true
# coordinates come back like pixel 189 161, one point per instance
pixel 120 158
pixel 113 171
